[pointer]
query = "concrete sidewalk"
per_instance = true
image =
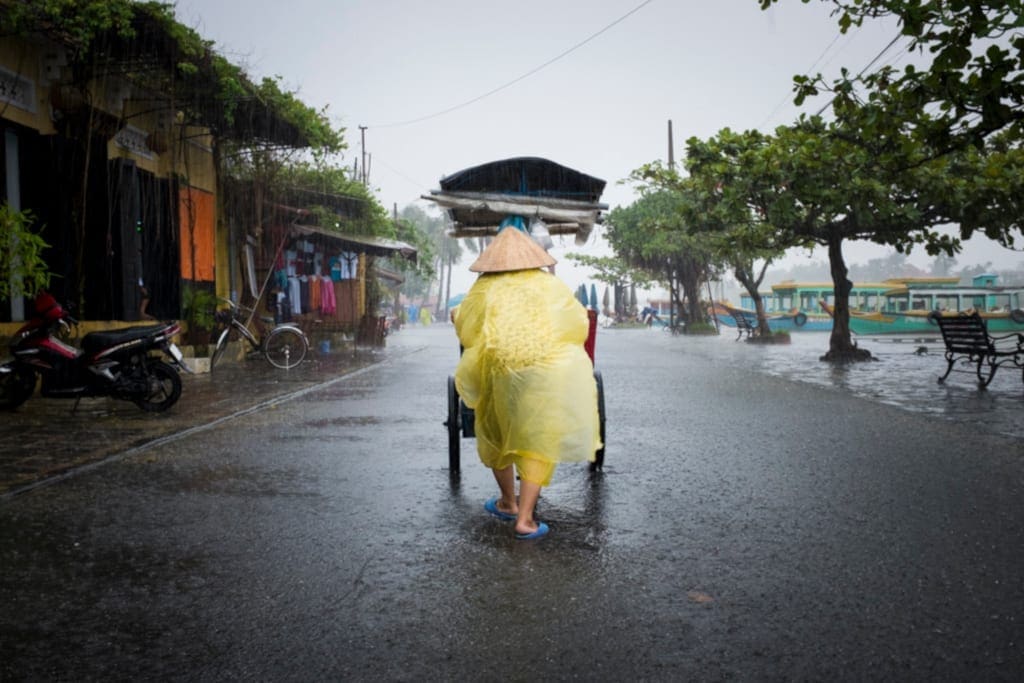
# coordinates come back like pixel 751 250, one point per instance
pixel 46 439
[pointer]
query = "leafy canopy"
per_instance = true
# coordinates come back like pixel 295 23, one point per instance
pixel 164 55
pixel 972 85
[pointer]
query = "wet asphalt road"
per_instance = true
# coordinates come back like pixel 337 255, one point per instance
pixel 746 527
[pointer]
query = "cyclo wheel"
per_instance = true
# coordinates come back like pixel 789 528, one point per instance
pixel 598 463
pixel 285 347
pixel 454 428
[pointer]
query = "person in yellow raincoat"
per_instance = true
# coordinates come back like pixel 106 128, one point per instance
pixel 525 373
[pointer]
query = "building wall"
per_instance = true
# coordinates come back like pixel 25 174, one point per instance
pixel 22 68
pixel 127 127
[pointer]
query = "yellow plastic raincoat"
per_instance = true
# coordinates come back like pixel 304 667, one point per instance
pixel 525 373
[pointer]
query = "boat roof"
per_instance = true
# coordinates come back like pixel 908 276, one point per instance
pixel 794 285
pixel 959 291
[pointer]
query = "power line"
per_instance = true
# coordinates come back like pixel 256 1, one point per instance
pixel 520 78
pixel 400 174
pixel 861 72
pixel 789 97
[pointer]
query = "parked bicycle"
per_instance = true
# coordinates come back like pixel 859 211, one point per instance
pixel 284 346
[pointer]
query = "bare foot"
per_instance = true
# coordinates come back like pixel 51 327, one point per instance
pixel 537 530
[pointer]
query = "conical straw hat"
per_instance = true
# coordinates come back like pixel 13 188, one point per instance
pixel 512 249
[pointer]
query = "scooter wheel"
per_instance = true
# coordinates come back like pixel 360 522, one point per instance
pixel 16 387
pixel 163 387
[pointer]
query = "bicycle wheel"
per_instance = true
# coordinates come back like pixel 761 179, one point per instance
pixel 285 347
pixel 222 344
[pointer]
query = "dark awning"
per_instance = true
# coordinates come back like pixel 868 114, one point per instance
pixel 364 244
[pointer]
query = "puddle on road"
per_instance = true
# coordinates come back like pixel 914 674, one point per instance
pixel 354 421
pixel 904 375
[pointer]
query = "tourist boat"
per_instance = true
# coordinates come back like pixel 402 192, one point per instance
pixel 796 306
pixel 908 308
pixel 788 321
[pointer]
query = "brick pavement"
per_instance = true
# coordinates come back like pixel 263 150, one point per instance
pixel 45 439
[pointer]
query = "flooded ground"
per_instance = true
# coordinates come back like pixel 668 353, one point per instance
pixel 904 376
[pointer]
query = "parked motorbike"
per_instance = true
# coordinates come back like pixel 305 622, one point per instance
pixel 115 363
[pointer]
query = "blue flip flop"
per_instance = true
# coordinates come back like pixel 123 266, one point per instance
pixel 542 530
pixel 492 507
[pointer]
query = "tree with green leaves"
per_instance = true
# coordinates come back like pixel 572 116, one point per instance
pixel 22 268
pixel 318 177
pixel 724 208
pixel 972 86
pixel 619 275
pixel 612 270
pixel 827 183
pixel 652 235
pixel 946 137
pixel 439 251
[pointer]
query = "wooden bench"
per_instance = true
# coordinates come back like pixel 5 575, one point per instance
pixel 745 323
pixel 967 340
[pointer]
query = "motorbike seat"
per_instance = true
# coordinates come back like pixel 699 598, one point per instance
pixel 97 341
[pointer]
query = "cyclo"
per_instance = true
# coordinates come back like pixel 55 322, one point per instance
pixel 555 200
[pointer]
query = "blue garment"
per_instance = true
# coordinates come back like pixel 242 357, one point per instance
pixel 517 222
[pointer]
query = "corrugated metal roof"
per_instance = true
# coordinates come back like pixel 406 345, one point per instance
pixel 368 244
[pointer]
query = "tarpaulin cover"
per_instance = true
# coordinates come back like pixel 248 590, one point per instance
pixel 480 199
pixel 532 176
pixel 524 370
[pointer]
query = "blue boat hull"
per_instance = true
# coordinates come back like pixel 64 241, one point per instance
pixel 799 322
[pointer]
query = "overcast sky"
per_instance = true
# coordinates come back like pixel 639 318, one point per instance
pixel 421 76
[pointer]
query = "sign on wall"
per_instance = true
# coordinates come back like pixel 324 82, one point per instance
pixel 17 90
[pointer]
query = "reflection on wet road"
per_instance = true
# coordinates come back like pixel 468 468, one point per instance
pixel 746 527
pixel 903 377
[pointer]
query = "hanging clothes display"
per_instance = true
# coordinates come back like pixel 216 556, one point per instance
pixel 343 266
pixel 327 298
pixel 295 295
pixel 314 293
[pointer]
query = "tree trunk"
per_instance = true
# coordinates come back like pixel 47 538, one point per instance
pixel 448 287
pixel 762 318
pixel 752 285
pixel 440 288
pixel 690 284
pixel 841 347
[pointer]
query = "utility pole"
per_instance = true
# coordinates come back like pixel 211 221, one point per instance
pixel 671 153
pixel 673 314
pixel 364 175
